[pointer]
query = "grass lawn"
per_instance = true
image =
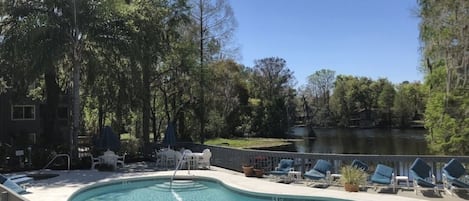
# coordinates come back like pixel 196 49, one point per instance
pixel 250 142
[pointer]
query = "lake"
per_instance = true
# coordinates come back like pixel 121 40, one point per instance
pixel 363 141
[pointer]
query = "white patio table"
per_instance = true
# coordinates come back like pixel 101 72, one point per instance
pixel 193 160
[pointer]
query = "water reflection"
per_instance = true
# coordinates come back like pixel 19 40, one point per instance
pixel 364 141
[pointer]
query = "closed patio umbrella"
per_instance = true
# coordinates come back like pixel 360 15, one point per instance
pixel 170 135
pixel 108 140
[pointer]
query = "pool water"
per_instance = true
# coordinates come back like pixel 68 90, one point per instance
pixel 182 190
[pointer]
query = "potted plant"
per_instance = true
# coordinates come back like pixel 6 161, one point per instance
pixel 248 169
pixel 259 165
pixel 351 177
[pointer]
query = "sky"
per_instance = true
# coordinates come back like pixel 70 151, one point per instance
pixel 371 38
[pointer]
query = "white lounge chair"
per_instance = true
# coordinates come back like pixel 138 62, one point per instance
pixel 204 160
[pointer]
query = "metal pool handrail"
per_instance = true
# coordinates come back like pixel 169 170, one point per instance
pixel 176 169
pixel 57 156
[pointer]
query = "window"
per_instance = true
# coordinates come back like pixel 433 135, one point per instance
pixel 23 112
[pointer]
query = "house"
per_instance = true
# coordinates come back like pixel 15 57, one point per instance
pixel 22 121
pixel 363 118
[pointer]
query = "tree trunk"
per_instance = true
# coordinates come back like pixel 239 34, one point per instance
pixel 201 81
pixel 153 121
pixel 52 137
pixel 76 88
pixel 100 116
pixel 146 103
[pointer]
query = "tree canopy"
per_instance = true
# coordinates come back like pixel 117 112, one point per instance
pixel 145 64
pixel 444 33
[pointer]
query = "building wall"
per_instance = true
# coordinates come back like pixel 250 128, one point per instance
pixel 3 115
pixel 18 131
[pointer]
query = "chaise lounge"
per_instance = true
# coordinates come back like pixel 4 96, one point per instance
pixel 321 172
pixel 16 183
pixel 383 176
pixel 281 171
pixel 423 177
pixel 455 176
pixel 360 165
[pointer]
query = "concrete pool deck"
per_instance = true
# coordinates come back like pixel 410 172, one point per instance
pixel 60 188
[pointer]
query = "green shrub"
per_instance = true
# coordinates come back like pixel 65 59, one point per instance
pixel 352 175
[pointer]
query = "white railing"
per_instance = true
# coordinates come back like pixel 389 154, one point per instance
pixel 232 158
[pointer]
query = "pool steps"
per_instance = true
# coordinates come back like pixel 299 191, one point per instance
pixel 179 185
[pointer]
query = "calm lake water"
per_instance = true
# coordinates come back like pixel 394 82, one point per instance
pixel 363 141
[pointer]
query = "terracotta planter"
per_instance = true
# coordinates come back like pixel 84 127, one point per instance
pixel 351 187
pixel 259 173
pixel 248 171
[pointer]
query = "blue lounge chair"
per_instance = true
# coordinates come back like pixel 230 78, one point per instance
pixel 360 165
pixel 281 171
pixel 423 176
pixel 383 176
pixel 455 176
pixel 355 163
pixel 16 183
pixel 320 172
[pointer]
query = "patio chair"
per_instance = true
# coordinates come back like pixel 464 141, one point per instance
pixel 204 160
pixel 423 177
pixel 121 160
pixel 281 171
pixel 383 176
pixel 95 161
pixel 160 158
pixel 455 176
pixel 360 165
pixel 320 172
pixel 171 158
pixel 16 183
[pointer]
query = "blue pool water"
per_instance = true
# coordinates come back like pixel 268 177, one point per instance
pixel 182 190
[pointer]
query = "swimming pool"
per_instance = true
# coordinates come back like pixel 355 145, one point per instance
pixel 196 189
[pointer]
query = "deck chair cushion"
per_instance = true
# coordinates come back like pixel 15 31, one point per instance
pixel 11 185
pixel 322 166
pixel 283 168
pixel 424 183
pixel 20 179
pixel 420 169
pixel 360 165
pixel 458 183
pixel 285 164
pixel 382 175
pixel 421 172
pixel 377 178
pixel 454 169
pixel 319 170
pixel 314 174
